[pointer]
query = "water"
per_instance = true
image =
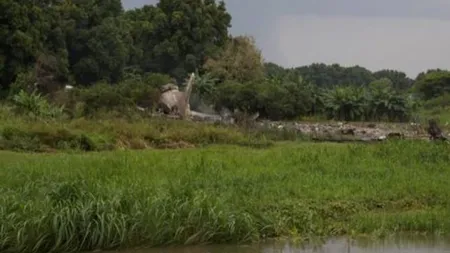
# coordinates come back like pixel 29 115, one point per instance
pixel 337 245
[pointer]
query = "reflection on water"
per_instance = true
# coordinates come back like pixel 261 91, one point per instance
pixel 339 245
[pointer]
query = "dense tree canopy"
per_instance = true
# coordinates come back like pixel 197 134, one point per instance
pixel 433 84
pixel 240 60
pixel 176 36
pixel 399 79
pixel 97 45
pixel 24 31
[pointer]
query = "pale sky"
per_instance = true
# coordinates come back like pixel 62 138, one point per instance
pixel 407 35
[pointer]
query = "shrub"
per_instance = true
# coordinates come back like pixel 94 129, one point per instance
pixel 35 105
pixel 121 97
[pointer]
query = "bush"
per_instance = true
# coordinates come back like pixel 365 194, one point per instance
pixel 433 84
pixel 24 81
pixel 441 101
pixel 356 104
pixel 35 105
pixel 122 97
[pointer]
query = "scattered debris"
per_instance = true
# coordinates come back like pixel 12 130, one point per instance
pixel 382 138
pixel 349 132
pixel 198 116
pixel 175 104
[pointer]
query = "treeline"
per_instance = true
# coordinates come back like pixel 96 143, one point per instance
pixel 118 59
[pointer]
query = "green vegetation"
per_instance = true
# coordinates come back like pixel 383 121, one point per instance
pixel 137 132
pixel 51 44
pixel 117 60
pixel 62 202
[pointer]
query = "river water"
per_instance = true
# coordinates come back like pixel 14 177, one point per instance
pixel 337 245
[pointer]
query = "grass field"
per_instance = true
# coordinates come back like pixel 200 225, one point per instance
pixel 106 133
pixel 99 200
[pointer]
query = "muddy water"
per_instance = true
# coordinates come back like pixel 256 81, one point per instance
pixel 338 245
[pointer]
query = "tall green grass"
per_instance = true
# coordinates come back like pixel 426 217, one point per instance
pixel 112 132
pixel 74 202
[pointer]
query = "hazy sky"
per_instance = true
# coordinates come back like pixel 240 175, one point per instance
pixel 408 35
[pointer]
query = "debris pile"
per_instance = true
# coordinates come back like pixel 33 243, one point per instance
pixel 175 103
pixel 341 132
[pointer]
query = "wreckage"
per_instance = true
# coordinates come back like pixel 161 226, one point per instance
pixel 175 103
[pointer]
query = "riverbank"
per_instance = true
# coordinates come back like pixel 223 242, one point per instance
pixel 102 200
pixel 390 244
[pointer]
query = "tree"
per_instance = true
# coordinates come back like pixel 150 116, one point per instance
pixel 177 35
pixel 422 74
pixel 143 24
pixel 381 84
pixel 23 32
pixel 273 70
pixel 240 60
pixel 329 76
pixel 399 79
pixel 105 52
pixel 433 84
pixel 287 99
pixel 97 39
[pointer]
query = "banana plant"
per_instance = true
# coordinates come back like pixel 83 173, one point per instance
pixel 346 103
pixel 205 88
